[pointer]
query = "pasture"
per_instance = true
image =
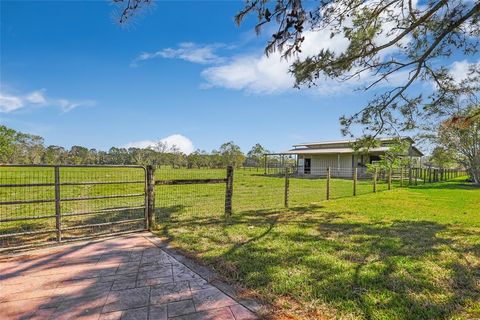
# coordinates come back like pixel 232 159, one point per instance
pixel 408 253
pixel 252 191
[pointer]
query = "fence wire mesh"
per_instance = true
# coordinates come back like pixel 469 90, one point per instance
pixel 42 204
pixel 256 191
pixel 177 194
pixel 46 203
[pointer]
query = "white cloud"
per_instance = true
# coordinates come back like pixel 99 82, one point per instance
pixel 459 70
pixel 257 73
pixel 188 51
pixel 37 98
pixel 174 141
pixel 9 103
pixel 261 74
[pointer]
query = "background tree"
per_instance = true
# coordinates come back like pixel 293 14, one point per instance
pixel 442 157
pixel 231 154
pixel 7 144
pixel 461 137
pixel 255 155
pixel 54 155
pixel 22 148
pixel 78 155
pixel 29 148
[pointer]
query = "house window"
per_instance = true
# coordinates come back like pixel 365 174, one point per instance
pixel 374 159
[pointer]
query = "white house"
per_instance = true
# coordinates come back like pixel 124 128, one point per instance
pixel 314 157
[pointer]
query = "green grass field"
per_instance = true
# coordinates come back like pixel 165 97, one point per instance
pixel 408 253
pixel 252 191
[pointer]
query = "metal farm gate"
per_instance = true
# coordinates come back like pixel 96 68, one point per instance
pixel 41 204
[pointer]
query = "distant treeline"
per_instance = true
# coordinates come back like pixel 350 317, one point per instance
pixel 22 148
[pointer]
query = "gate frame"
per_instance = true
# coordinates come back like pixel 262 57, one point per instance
pixel 57 214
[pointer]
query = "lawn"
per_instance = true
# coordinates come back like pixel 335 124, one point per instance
pixel 410 253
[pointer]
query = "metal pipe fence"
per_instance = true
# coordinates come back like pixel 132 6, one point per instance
pixel 45 204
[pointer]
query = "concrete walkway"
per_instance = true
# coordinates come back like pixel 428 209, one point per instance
pixel 127 277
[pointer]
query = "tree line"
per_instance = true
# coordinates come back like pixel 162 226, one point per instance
pixel 23 148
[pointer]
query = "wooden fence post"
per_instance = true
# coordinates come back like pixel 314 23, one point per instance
pixel 58 222
pixel 390 179
pixel 229 192
pixel 375 180
pixel 416 176
pixel 355 177
pixel 265 164
pixel 429 175
pixel 287 186
pixel 150 217
pixel 328 183
pixel 410 176
pixel 401 176
pixel 424 172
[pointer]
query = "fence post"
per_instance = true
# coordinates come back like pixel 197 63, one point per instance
pixel 355 177
pixel 229 192
pixel 375 180
pixel 410 176
pixel 328 183
pixel 389 178
pixel 416 176
pixel 401 176
pixel 424 173
pixel 150 218
pixel 58 222
pixel 265 164
pixel 287 185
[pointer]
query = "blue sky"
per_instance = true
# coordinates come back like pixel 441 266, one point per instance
pixel 71 74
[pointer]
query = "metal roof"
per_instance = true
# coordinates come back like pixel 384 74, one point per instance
pixel 319 143
pixel 330 150
pixel 343 151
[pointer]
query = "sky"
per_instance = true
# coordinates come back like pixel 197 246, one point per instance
pixel 182 72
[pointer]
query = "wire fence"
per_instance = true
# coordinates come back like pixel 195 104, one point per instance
pixel 185 191
pixel 48 204
pixel 45 204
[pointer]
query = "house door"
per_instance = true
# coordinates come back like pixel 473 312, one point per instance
pixel 307 166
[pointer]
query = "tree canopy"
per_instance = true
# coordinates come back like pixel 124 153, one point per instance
pixel 397 41
pixel 22 148
pixel 390 46
pixel 459 137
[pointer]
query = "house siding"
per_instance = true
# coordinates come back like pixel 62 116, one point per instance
pixel 340 164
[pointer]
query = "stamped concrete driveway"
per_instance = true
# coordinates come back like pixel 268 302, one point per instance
pixel 128 277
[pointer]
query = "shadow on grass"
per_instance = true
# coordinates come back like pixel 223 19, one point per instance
pixel 447 185
pixel 401 270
